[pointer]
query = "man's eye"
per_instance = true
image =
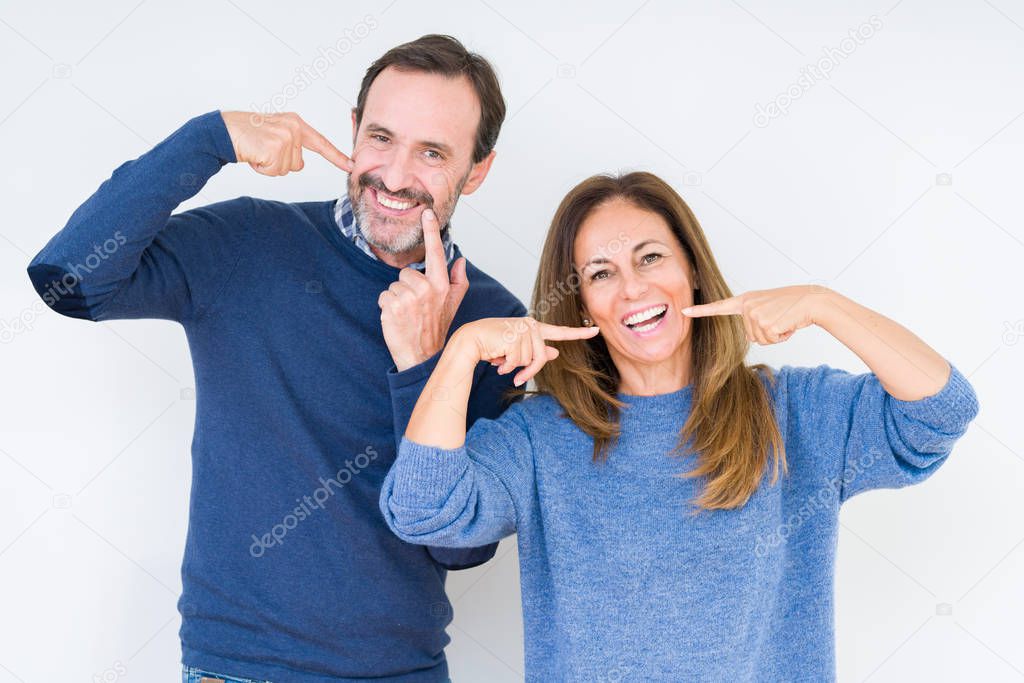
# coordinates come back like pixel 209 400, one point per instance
pixel 379 138
pixel 433 154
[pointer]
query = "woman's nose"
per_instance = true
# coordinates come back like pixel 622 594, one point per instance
pixel 633 286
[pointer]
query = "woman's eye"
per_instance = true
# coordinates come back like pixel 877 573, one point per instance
pixel 600 275
pixel 650 258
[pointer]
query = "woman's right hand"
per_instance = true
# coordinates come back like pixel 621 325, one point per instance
pixel 510 343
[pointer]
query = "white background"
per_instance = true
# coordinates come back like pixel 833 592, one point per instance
pixel 846 189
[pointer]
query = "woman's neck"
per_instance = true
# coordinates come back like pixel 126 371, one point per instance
pixel 637 378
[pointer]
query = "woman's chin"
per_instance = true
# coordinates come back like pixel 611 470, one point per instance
pixel 653 356
pixel 647 351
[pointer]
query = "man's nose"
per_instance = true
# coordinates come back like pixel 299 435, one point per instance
pixel 397 172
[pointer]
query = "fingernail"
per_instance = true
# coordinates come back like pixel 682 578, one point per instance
pixel 687 310
pixel 428 213
pixel 519 382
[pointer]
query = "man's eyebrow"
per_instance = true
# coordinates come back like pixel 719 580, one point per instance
pixel 601 259
pixel 377 128
pixel 439 146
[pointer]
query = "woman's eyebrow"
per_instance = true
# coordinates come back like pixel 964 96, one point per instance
pixel 603 259
pixel 645 243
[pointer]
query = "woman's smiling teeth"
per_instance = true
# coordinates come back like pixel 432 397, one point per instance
pixel 645 320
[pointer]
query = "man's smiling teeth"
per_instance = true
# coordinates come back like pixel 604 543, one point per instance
pixel 643 315
pixel 392 204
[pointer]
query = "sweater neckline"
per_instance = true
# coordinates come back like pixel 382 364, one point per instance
pixel 351 252
pixel 656 402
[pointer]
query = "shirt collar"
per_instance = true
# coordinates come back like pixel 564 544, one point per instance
pixel 345 217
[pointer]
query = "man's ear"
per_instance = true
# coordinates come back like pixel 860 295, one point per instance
pixel 355 128
pixel 478 173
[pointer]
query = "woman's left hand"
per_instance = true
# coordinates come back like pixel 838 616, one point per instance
pixel 770 316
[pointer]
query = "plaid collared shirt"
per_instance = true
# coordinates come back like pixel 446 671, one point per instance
pixel 345 217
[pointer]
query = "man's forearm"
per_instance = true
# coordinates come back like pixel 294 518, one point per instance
pixel 125 214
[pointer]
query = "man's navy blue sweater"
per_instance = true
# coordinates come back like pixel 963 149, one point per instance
pixel 290 572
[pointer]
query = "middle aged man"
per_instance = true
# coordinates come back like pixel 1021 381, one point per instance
pixel 312 327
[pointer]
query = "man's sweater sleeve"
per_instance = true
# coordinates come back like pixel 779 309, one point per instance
pixel 488 399
pixel 122 254
pixel 869 438
pixel 466 496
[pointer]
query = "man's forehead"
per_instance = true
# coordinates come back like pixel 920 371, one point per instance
pixel 418 106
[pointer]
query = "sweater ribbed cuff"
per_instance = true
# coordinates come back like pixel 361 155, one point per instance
pixel 425 476
pixel 951 408
pixel 220 137
pixel 416 375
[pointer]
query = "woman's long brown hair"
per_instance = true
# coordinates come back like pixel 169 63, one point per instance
pixel 731 423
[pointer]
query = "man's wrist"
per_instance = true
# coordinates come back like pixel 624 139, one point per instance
pixel 405 362
pixel 421 354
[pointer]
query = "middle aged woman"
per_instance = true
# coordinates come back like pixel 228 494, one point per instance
pixel 676 509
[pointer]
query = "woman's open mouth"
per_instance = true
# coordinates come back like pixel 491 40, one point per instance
pixel 391 206
pixel 647 320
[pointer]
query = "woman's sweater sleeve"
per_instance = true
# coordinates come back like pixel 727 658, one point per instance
pixel 868 438
pixel 466 496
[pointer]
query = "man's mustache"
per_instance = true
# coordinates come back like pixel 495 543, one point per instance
pixel 367 180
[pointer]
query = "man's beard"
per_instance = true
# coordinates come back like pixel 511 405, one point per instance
pixel 377 228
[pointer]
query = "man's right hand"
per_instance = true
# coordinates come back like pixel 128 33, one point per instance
pixel 272 143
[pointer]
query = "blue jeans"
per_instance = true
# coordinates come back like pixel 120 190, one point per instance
pixel 190 674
